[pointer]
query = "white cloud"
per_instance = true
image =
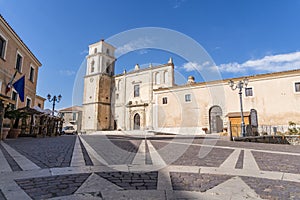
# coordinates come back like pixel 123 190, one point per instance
pixel 177 3
pixel 272 63
pixel 133 45
pixel 84 52
pixel 67 72
pixel 193 66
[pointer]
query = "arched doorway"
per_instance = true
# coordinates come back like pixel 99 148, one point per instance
pixel 215 119
pixel 136 122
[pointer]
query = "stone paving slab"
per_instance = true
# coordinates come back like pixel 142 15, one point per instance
pixel 10 164
pixel 87 159
pixel 201 172
pixel 45 152
pixel 274 189
pixel 132 181
pixel 277 162
pixel 113 152
pixel 214 158
pixel 196 182
pixel 52 186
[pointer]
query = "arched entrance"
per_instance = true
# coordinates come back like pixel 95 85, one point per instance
pixel 136 122
pixel 215 119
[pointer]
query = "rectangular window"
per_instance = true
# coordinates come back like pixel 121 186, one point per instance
pixel 19 62
pixel 2 47
pixel 28 102
pixel 136 90
pixel 31 74
pixel 39 105
pixel 248 92
pixel 187 97
pixel 297 87
pixel 74 116
pixel 14 97
pixel 164 100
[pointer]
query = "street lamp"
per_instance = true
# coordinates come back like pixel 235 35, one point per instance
pixel 240 85
pixel 54 99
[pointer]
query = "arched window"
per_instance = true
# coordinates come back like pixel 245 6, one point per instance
pixel 95 50
pixel 107 51
pixel 166 77
pixel 157 78
pixel 92 66
pixel 107 68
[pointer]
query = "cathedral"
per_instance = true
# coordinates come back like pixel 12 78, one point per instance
pixel 124 101
pixel 149 99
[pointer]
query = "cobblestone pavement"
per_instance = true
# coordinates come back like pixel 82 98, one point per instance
pixel 101 166
pixel 46 152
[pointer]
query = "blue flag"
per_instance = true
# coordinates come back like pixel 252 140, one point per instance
pixel 19 86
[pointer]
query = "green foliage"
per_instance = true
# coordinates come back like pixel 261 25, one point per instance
pixel 15 115
pixel 293 130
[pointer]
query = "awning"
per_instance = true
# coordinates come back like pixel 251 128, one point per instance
pixel 6 99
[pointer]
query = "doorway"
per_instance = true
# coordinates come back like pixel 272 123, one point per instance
pixel 136 122
pixel 215 119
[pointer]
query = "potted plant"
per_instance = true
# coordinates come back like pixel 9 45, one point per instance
pixel 15 115
pixel 205 129
pixel 5 128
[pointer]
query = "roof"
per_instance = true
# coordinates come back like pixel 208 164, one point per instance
pixel 40 97
pixel 71 109
pixel 19 39
pixel 238 114
pixel 145 69
pixel 225 81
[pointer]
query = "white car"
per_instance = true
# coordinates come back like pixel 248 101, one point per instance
pixel 69 130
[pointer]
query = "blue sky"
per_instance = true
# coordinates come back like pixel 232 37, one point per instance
pixel 242 37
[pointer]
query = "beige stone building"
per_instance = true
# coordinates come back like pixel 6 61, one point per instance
pixel 72 117
pixel 148 99
pixel 214 106
pixel 16 56
pixel 39 102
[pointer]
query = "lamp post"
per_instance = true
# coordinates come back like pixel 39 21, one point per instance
pixel 240 85
pixel 54 99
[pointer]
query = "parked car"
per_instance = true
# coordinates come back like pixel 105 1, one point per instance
pixel 69 130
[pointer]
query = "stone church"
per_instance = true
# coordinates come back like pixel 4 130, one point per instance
pixel 149 99
pixel 124 101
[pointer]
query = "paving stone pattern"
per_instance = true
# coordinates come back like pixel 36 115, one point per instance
pixel 277 162
pixel 240 161
pixel 214 158
pixel 52 186
pixel 261 146
pixel 114 152
pixel 86 156
pixel 127 145
pixel 46 152
pixel 12 163
pixel 196 182
pixel 274 189
pixel 132 181
pixel 2 197
pixel 148 157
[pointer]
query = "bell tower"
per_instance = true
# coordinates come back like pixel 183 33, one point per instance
pixel 97 87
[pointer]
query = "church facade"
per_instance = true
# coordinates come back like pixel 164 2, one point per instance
pixel 149 99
